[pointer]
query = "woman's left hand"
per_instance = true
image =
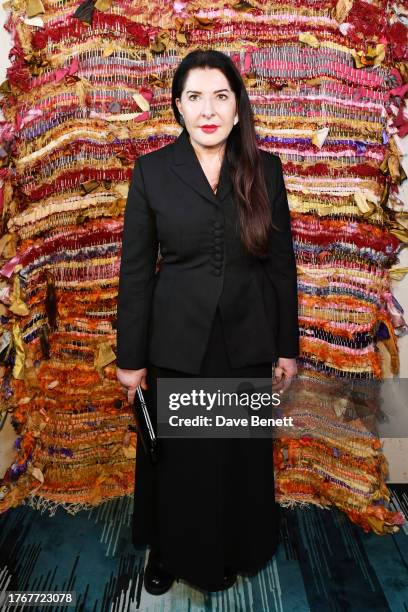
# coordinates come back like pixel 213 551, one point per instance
pixel 285 370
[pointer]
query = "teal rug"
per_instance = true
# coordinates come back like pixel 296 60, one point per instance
pixel 324 563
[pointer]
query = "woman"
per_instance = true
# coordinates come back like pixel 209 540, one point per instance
pixel 223 304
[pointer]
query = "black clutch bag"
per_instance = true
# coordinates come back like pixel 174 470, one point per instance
pixel 144 426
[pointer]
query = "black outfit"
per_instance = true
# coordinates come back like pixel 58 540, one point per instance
pixel 212 311
pixel 167 317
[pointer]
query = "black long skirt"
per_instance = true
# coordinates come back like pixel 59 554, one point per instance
pixel 210 502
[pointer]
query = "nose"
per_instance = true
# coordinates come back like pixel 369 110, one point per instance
pixel 207 109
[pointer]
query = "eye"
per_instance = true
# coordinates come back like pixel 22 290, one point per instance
pixel 191 96
pixel 224 96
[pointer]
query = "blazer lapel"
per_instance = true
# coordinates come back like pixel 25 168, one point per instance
pixel 187 167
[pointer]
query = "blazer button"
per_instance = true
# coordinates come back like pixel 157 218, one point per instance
pixel 217 264
pixel 217 224
pixel 217 232
pixel 217 240
pixel 217 272
pixel 217 249
pixel 218 256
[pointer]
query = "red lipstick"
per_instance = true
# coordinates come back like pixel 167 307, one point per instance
pixel 208 129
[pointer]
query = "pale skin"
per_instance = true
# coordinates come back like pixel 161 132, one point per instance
pixel 207 99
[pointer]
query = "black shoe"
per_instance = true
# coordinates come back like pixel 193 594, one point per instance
pixel 156 579
pixel 254 572
pixel 230 578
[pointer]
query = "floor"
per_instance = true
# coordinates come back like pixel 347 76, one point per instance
pixel 324 563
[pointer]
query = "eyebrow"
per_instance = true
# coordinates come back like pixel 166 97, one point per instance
pixel 217 91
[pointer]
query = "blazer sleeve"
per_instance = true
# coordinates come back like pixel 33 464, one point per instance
pixel 136 276
pixel 280 268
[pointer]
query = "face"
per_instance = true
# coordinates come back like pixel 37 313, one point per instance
pixel 208 100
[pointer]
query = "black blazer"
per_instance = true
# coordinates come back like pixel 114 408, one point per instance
pixel 166 318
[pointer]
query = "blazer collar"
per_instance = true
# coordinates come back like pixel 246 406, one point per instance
pixel 187 167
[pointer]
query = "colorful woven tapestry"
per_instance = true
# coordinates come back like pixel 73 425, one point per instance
pixel 87 92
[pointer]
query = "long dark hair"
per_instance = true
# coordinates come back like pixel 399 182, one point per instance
pixel 243 155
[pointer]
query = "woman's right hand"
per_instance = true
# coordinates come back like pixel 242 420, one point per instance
pixel 130 380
